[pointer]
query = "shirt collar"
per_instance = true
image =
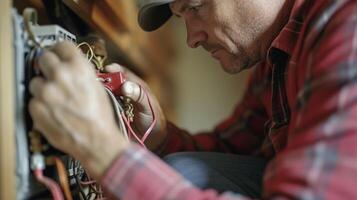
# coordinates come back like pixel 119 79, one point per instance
pixel 288 36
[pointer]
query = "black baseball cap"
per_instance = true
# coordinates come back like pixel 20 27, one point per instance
pixel 153 13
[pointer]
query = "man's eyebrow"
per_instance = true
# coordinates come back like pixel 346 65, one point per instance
pixel 181 9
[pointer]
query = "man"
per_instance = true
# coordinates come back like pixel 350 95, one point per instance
pixel 298 112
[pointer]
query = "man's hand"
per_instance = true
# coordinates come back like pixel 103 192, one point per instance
pixel 70 107
pixel 137 90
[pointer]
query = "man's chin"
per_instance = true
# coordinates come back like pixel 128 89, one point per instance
pixel 234 67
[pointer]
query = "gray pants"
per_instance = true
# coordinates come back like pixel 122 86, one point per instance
pixel 222 172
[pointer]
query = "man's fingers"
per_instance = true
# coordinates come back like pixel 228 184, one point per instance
pixel 48 62
pixel 46 91
pixel 72 59
pixel 132 90
pixel 112 68
pixel 36 86
pixel 66 51
pixel 138 95
pixel 42 119
pixel 38 113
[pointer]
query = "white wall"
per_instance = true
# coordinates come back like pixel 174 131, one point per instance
pixel 205 93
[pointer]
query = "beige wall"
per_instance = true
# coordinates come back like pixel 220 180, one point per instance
pixel 205 94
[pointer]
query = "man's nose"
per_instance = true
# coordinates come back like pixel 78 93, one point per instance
pixel 195 35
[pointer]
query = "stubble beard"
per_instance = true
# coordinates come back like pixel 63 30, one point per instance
pixel 241 61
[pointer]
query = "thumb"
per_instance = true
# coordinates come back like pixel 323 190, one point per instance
pixel 114 67
pixel 138 94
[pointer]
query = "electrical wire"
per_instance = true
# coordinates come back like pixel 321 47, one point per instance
pixel 125 122
pixel 93 187
pixel 30 19
pixel 30 14
pixel 89 53
pixel 98 61
pixel 63 178
pixel 148 131
pixel 88 188
pixel 72 165
pixel 38 165
pixel 122 118
pixel 50 184
pixel 118 109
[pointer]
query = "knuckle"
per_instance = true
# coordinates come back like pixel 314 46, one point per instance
pixel 114 67
pixel 80 65
pixel 59 74
pixel 129 89
pixel 66 51
pixel 64 46
pixel 33 104
pixel 47 58
pixel 44 56
pixel 36 110
pixel 34 84
pixel 47 92
pixel 133 91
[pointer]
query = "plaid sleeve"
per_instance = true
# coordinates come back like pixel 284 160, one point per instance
pixel 320 161
pixel 138 174
pixel 242 132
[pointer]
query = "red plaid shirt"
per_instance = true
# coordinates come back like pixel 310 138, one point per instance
pixel 299 110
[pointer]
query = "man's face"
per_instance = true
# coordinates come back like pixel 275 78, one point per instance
pixel 232 31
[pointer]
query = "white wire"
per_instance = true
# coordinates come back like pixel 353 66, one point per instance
pixel 117 110
pixel 30 19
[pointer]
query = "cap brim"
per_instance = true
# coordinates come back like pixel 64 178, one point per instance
pixel 154 15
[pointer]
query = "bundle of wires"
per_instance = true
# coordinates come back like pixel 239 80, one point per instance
pixel 88 189
pixel 124 121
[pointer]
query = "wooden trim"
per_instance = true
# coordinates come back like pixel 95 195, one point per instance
pixel 7 129
pixel 82 8
pixel 117 20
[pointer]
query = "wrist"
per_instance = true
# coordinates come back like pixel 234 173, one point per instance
pixel 99 158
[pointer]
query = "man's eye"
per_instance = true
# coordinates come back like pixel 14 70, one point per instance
pixel 194 8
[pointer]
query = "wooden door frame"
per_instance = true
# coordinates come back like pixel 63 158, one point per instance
pixel 7 102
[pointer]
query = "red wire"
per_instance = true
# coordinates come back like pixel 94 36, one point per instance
pixel 88 182
pixel 50 184
pixel 148 131
pixel 131 131
pixel 153 120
